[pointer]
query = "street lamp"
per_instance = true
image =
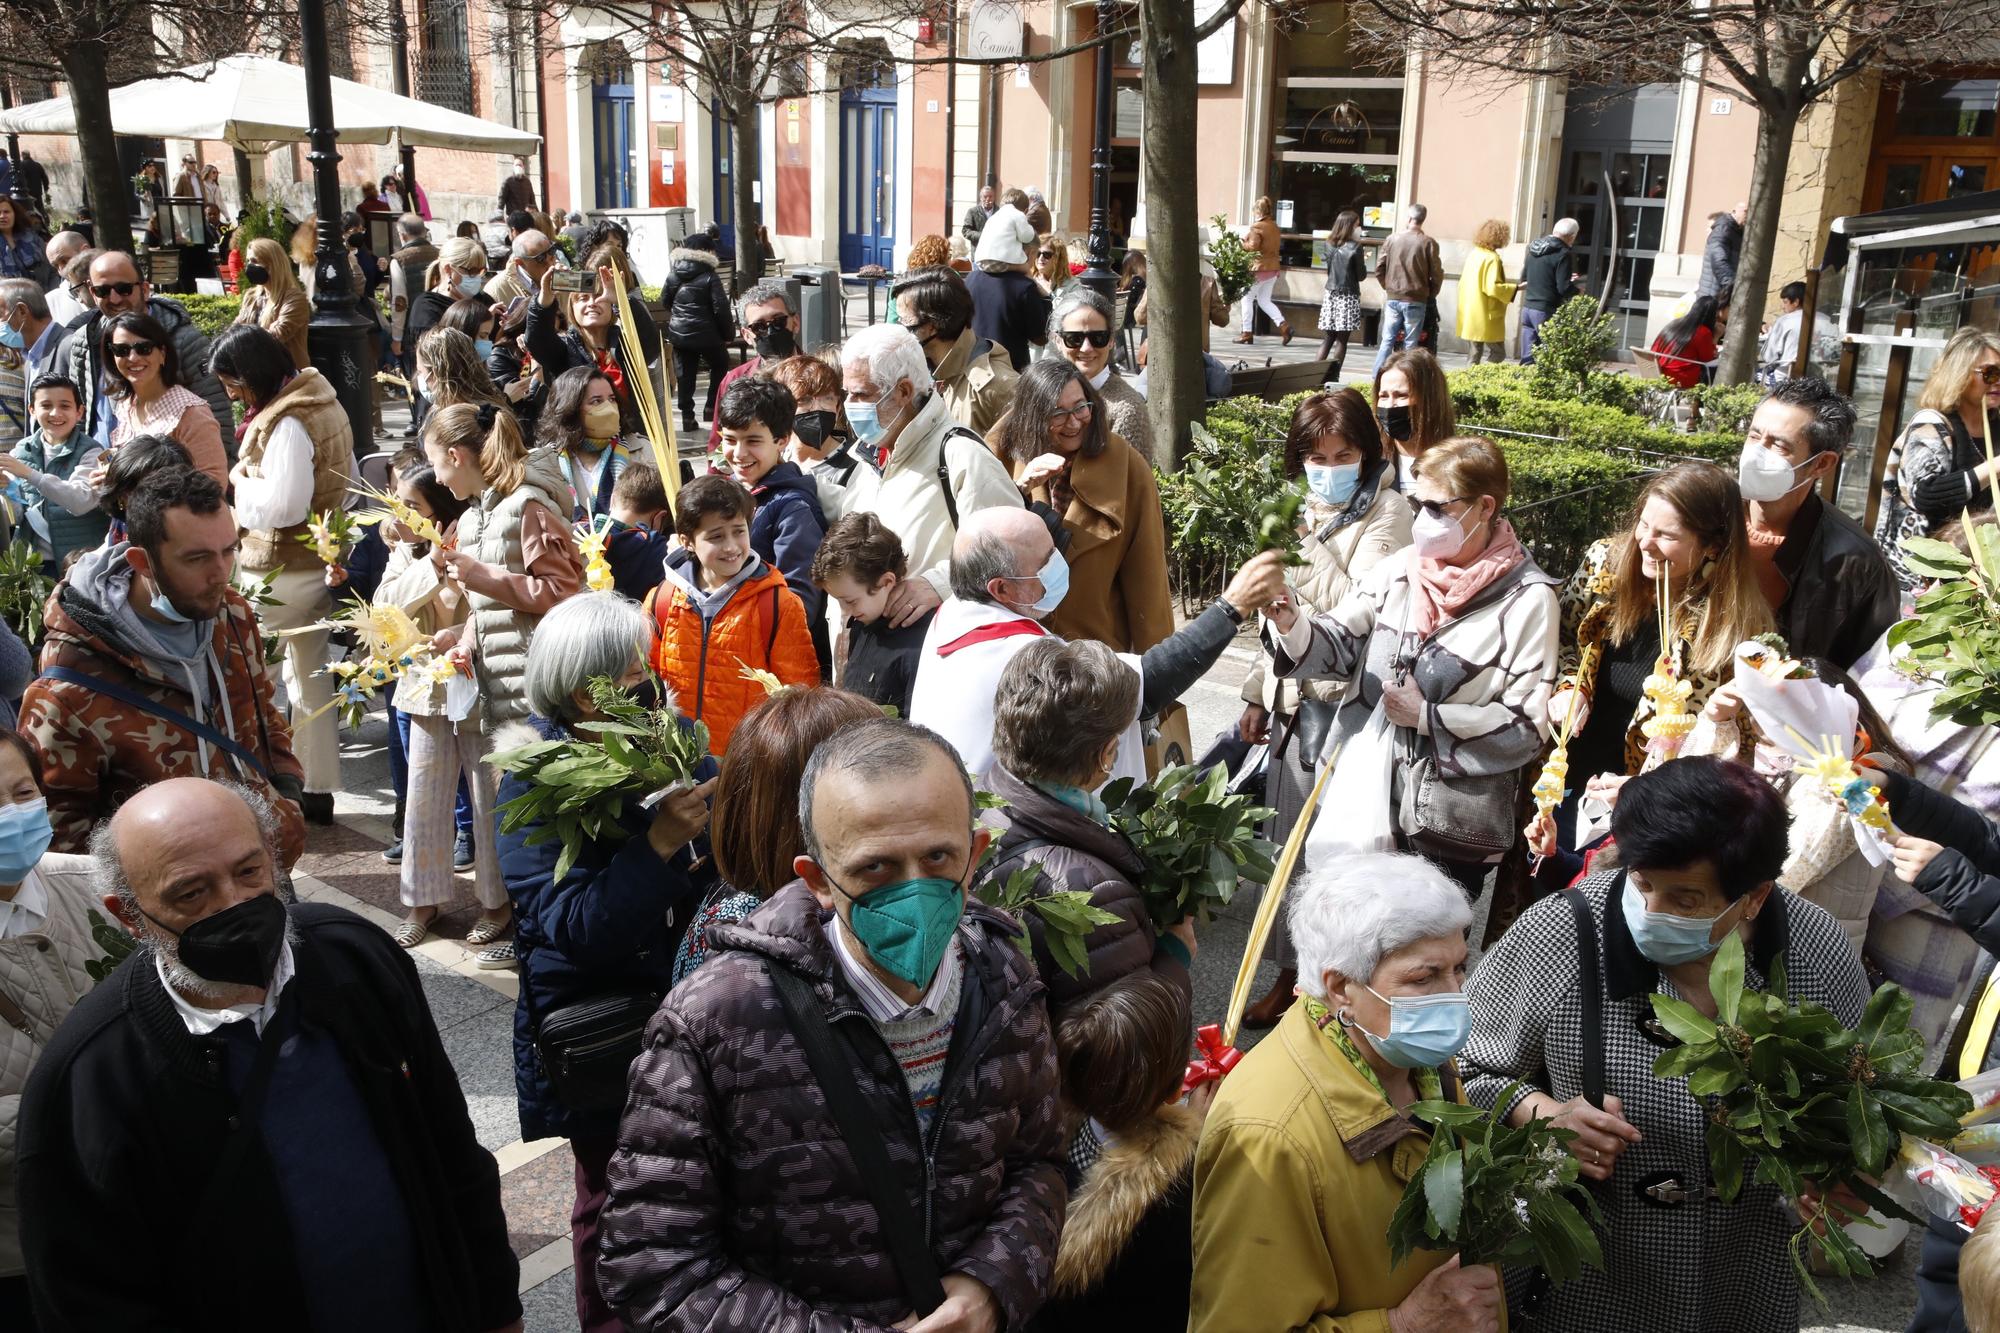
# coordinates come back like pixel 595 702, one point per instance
pixel 339 335
pixel 1099 276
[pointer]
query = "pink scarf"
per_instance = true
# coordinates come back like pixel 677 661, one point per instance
pixel 1439 591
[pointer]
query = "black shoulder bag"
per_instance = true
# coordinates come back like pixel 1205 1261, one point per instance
pixel 835 1073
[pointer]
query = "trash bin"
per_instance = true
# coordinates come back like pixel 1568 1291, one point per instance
pixel 819 304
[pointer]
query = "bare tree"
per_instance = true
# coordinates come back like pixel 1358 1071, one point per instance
pixel 1783 56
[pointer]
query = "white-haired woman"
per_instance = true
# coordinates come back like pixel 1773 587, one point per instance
pixel 1304 1157
pixel 604 928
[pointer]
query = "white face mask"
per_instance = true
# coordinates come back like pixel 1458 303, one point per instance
pixel 1764 475
pixel 1440 537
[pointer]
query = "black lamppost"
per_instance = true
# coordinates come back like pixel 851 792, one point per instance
pixel 399 74
pixel 1099 277
pixel 339 336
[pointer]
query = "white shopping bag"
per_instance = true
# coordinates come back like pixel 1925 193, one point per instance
pixel 1355 814
pixel 461 693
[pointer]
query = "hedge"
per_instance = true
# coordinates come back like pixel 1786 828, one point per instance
pixel 1567 490
pixel 211 314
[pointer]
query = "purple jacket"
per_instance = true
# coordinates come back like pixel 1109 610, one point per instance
pixel 734 1202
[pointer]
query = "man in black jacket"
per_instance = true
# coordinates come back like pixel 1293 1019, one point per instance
pixel 1829 585
pixel 1548 280
pixel 257 1104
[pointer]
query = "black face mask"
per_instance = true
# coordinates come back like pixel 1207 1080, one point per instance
pixel 237 946
pixel 1395 422
pixel 815 428
pixel 256 275
pixel 777 344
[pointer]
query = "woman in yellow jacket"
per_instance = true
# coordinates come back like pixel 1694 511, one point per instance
pixel 1307 1149
pixel 1483 294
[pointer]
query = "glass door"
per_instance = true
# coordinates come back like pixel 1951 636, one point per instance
pixel 1617 194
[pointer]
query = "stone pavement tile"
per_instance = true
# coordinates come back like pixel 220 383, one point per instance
pixel 481 1049
pixel 337 838
pixel 537 1199
pixel 455 997
pixel 550 1307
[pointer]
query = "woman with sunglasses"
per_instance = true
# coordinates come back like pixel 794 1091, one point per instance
pixel 1064 456
pixel 1938 469
pixel 1450 652
pixel 1048 264
pixel 1080 331
pixel 150 397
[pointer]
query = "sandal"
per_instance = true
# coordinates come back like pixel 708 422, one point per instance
pixel 409 934
pixel 486 930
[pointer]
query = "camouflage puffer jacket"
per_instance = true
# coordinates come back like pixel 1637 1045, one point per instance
pixel 734 1202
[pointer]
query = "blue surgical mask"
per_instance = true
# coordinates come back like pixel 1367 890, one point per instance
pixel 1424 1030
pixel 12 337
pixel 1335 485
pixel 470 284
pixel 483 346
pixel 1667 939
pixel 1054 575
pixel 907 926
pixel 25 833
pixel 866 419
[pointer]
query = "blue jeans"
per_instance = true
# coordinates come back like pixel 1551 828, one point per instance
pixel 1402 321
pixel 1531 332
pixel 399 770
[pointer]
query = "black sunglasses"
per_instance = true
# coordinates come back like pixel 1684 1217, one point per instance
pixel 1095 337
pixel 127 351
pixel 1045 254
pixel 765 327
pixel 104 289
pixel 1438 508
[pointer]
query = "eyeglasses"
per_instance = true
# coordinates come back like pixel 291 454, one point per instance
pixel 104 289
pixel 1095 337
pixel 130 351
pixel 763 328
pixel 1081 412
pixel 1988 374
pixel 1439 508
pixel 1045 254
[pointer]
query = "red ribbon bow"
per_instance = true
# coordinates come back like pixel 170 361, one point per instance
pixel 1214 1061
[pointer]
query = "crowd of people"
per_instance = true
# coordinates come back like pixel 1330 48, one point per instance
pixel 808 1077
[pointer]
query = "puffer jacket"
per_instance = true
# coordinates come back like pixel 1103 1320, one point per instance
pixel 786 531
pixel 96 752
pixel 698 313
pixel 734 1201
pixel 1075 852
pixel 1719 255
pixel 610 925
pixel 702 655
pixel 42 975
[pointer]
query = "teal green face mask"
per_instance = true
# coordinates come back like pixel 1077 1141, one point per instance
pixel 907 926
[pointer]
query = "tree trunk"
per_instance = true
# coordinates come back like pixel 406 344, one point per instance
pixel 1175 313
pixel 745 145
pixel 109 192
pixel 1775 131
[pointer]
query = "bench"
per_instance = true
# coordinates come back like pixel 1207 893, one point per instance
pixel 1273 381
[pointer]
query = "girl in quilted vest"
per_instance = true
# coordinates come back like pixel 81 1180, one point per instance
pixel 722 612
pixel 514 559
pixel 295 456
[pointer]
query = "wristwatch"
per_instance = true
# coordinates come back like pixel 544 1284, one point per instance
pixel 1229 609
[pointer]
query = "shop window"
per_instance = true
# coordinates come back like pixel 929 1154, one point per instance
pixel 1337 130
pixel 1948 108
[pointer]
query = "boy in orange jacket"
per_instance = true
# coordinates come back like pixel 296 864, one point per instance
pixel 722 610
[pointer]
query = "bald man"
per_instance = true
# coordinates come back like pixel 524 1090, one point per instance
pixel 258 1101
pixel 1007 577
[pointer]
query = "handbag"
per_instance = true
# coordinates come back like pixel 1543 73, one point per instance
pixel 1458 818
pixel 1312 723
pixel 587 1048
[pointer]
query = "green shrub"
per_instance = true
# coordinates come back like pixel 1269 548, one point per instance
pixel 1503 398
pixel 1570 345
pixel 1235 267
pixel 211 314
pixel 266 218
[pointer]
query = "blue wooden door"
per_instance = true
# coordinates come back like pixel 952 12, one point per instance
pixel 611 107
pixel 867 177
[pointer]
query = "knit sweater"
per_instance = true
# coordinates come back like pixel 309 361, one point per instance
pixel 920 1043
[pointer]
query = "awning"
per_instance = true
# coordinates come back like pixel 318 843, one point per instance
pixel 254 102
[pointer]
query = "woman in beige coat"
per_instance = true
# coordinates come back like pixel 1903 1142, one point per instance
pixel 44 945
pixel 273 299
pixel 1354 518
